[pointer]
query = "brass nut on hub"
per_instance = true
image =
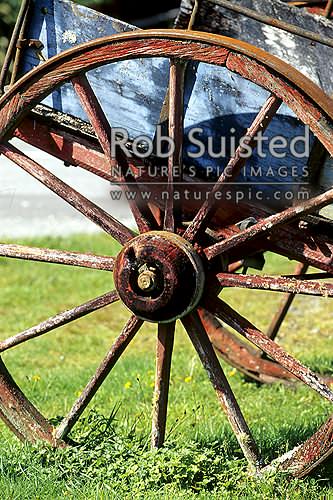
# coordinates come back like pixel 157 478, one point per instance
pixel 146 278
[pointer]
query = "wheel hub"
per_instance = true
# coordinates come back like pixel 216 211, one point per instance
pixel 159 276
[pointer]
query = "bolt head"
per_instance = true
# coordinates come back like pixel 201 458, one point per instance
pixel 146 278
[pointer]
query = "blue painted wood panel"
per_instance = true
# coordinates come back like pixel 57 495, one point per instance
pixel 132 93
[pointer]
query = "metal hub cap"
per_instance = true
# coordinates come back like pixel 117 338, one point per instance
pixel 159 277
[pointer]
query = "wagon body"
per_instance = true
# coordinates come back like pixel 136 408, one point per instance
pixel 311 58
pixel 137 89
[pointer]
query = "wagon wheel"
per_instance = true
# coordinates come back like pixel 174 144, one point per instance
pixel 172 270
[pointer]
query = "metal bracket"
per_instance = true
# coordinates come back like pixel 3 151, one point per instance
pixel 29 42
pixel 32 43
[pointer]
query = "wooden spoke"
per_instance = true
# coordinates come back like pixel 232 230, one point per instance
pixel 329 9
pixel 95 114
pixel 288 299
pixel 175 160
pixel 276 284
pixel 240 354
pixel 234 166
pixel 164 347
pixel 225 313
pixel 86 207
pixel 310 276
pixel 60 320
pixel 52 256
pixel 117 349
pixel 201 343
pixel 289 241
pixel 269 224
pixel 102 127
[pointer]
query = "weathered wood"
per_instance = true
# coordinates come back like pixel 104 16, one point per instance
pixel 61 25
pixel 216 111
pixel 52 256
pixel 227 314
pixel 317 64
pixel 329 8
pixel 270 223
pixel 102 127
pixel 130 329
pixel 240 354
pixel 91 211
pixel 59 320
pixel 201 343
pixel 232 170
pixel 307 456
pixel 175 160
pixel 164 347
pixel 20 415
pixel 276 284
pixel 70 139
pixel 312 59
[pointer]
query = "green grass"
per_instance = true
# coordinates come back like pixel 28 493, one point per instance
pixel 112 459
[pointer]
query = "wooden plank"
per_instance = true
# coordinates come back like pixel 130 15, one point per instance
pixel 313 59
pixel 135 89
pixel 216 100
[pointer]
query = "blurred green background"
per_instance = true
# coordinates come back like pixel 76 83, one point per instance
pixel 8 12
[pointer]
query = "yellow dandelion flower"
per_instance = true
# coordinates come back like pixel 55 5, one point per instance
pixel 128 385
pixel 188 379
pixel 152 384
pixel 78 394
pixel 35 378
pixel 232 372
